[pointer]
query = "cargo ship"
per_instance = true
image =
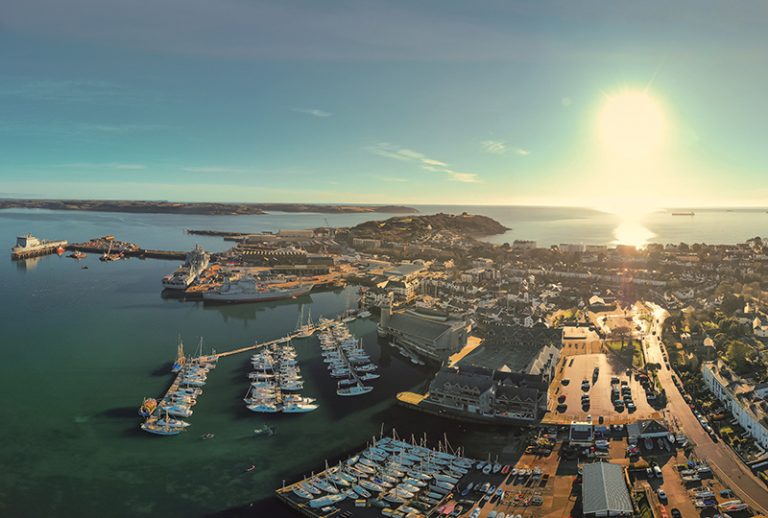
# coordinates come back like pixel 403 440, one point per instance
pixel 29 246
pixel 249 289
pixel 689 213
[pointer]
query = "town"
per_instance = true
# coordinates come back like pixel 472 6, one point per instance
pixel 638 374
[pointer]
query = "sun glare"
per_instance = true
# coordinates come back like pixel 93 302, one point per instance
pixel 631 124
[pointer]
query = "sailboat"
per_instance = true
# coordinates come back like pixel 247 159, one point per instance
pixel 304 330
pixel 355 390
pixel 180 360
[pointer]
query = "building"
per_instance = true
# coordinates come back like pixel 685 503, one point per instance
pixel 482 394
pixel 743 399
pixel 296 234
pixel 581 433
pixel 646 429
pixel 434 335
pixel 366 244
pixel 605 491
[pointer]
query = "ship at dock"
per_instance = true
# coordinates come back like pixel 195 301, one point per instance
pixel 249 289
pixel 30 246
pixel 196 262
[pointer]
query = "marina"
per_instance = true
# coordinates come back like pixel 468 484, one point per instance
pixel 273 384
pixel 389 477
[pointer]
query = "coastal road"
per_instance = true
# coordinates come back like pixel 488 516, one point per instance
pixel 718 455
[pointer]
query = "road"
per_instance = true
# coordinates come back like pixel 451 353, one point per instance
pixel 718 455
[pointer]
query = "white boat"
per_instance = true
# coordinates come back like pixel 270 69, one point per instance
pixel 325 501
pixel 196 262
pixel 296 408
pixel 303 493
pixel 170 421
pixel 154 428
pixel 357 488
pixel 263 408
pixel 354 390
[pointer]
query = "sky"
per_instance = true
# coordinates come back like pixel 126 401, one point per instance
pixel 430 102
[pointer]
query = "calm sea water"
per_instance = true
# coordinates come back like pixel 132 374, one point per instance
pixel 82 347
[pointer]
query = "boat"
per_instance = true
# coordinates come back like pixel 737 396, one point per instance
pixel 303 493
pixel 248 289
pixel 357 488
pixel 195 263
pixel 154 428
pixel 170 421
pixel 684 213
pixel 77 254
pixel 354 390
pixel 304 330
pixel 325 501
pixel 296 408
pixel 733 506
pixel 180 359
pixel 147 407
pixel 263 408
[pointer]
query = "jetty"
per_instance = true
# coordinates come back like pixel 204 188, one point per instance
pixel 30 246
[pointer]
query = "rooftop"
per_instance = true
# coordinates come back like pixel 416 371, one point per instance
pixel 605 490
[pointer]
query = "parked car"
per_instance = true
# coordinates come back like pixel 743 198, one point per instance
pixel 662 496
pixel 675 512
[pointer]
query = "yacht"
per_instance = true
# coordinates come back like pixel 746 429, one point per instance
pixel 297 408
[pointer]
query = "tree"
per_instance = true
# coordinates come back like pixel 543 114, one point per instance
pixel 736 354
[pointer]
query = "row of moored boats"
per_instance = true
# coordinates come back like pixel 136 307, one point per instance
pixel 347 360
pixel 166 417
pixel 275 382
pixel 396 473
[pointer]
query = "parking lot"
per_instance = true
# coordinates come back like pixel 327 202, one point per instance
pixel 568 392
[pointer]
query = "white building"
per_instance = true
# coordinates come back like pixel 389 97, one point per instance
pixel 745 401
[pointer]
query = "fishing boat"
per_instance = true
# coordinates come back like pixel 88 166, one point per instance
pixel 77 254
pixel 147 407
pixel 170 421
pixel 303 493
pixel 263 408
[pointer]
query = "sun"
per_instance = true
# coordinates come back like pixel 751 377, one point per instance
pixel 632 125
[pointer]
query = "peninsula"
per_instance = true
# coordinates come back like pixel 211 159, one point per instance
pixel 211 209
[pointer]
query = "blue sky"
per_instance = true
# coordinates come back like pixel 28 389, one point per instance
pixel 411 102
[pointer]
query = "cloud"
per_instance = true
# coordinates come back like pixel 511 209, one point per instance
pixel 391 179
pixel 497 147
pixel 106 165
pixel 213 169
pixel 388 150
pixel 313 112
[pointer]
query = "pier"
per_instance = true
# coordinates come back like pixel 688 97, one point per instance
pixel 214 357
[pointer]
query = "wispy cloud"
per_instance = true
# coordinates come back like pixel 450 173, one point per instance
pixel 499 147
pixel 391 179
pixel 105 165
pixel 388 150
pixel 214 169
pixel 313 112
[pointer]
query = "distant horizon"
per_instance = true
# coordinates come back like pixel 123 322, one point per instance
pixel 379 204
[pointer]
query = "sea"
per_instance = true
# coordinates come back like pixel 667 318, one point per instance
pixel 83 342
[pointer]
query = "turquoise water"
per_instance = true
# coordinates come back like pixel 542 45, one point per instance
pixel 81 348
